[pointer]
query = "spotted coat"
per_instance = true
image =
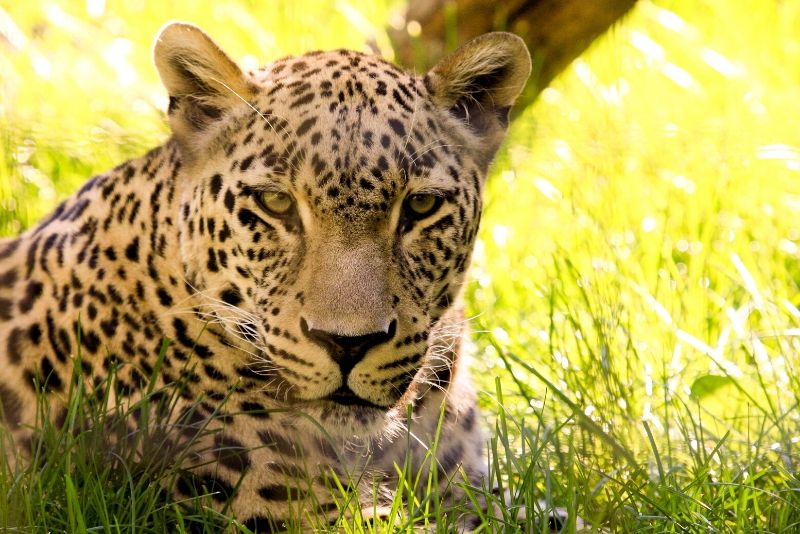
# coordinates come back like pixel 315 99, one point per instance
pixel 301 240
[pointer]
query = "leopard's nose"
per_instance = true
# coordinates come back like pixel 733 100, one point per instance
pixel 347 351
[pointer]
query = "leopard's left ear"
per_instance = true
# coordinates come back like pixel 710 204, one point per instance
pixel 203 82
pixel 479 82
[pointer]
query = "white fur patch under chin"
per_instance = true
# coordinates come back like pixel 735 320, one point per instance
pixel 345 423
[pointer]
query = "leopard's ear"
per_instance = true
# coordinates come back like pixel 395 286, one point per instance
pixel 479 82
pixel 202 81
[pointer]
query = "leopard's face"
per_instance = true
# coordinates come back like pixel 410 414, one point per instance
pixel 327 223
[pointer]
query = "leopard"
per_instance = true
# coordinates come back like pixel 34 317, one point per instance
pixel 301 240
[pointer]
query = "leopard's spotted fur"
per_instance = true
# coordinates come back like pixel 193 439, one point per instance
pixel 317 324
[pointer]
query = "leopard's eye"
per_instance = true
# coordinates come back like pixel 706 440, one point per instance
pixel 421 205
pixel 276 202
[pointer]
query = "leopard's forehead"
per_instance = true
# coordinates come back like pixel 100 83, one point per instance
pixel 344 75
pixel 348 130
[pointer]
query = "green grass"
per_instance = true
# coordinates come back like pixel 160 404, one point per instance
pixel 634 292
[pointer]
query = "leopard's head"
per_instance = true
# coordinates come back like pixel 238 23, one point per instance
pixel 330 203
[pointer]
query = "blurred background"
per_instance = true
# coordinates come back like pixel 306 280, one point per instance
pixel 635 287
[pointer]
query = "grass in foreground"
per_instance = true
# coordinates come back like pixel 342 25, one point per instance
pixel 109 465
pixel 635 290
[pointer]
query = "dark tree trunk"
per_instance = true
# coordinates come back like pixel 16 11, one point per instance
pixel 556 31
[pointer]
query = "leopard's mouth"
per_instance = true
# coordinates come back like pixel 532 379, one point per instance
pixel 347 397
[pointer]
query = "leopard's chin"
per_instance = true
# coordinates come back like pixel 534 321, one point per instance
pixel 347 420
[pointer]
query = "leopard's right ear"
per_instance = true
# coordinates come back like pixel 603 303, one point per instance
pixel 478 83
pixel 203 82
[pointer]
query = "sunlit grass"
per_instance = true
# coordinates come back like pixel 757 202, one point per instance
pixel 640 260
pixel 635 289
